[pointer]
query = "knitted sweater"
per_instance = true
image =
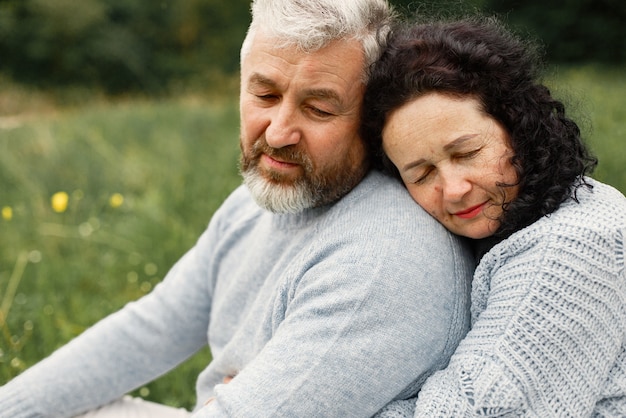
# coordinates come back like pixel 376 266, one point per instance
pixel 548 322
pixel 331 312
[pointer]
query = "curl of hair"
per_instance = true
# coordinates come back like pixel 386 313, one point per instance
pixel 477 57
pixel 310 25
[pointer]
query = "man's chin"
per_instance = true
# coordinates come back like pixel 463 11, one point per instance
pixel 278 196
pixel 285 194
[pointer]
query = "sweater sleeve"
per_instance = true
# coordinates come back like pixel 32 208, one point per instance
pixel 120 353
pixel 549 331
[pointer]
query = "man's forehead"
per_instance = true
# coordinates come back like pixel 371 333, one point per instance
pixel 336 63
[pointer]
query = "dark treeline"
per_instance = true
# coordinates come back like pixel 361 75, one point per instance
pixel 119 45
pixel 149 45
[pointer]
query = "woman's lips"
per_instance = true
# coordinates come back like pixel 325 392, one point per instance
pixel 470 212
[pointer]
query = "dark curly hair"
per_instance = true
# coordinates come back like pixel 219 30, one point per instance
pixel 479 57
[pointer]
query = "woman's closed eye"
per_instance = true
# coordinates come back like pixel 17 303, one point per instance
pixel 467 155
pixel 421 176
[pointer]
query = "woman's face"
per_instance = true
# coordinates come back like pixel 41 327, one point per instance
pixel 452 156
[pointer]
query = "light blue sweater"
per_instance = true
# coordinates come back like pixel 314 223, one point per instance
pixel 332 312
pixel 548 334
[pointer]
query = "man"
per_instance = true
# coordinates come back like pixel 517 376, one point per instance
pixel 322 290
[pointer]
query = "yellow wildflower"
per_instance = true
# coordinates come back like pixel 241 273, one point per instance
pixel 7 213
pixel 59 202
pixel 116 200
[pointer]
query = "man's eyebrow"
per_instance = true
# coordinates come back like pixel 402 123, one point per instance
pixel 261 80
pixel 325 94
pixel 257 79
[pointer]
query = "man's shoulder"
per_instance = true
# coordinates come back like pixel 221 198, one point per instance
pixel 379 213
pixel 380 198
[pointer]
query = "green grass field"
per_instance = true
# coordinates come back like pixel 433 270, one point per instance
pixel 596 96
pixel 99 200
pixel 134 185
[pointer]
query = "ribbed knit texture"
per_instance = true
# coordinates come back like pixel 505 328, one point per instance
pixel 549 322
pixel 331 312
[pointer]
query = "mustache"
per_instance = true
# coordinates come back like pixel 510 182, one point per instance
pixel 290 153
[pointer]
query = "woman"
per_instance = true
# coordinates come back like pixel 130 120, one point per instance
pixel 454 109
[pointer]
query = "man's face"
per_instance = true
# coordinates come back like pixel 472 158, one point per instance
pixel 299 123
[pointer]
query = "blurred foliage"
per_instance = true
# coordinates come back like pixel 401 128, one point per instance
pixel 573 31
pixel 119 45
pixel 441 8
pixel 157 46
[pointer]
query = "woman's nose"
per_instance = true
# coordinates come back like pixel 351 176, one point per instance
pixel 455 185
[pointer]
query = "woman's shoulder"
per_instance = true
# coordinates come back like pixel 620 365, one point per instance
pixel 596 206
pixel 593 214
pixel 587 232
pixel 606 193
pixel 599 206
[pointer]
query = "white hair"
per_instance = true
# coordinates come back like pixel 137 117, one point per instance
pixel 310 25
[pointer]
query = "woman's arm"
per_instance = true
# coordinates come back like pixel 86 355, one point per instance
pixel 549 329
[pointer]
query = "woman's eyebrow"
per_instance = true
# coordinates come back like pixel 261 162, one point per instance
pixel 458 141
pixel 414 164
pixel 453 144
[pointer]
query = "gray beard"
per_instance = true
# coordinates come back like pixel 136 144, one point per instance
pixel 278 198
pixel 304 193
pixel 274 193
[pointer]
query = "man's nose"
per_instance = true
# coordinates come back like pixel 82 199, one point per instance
pixel 283 129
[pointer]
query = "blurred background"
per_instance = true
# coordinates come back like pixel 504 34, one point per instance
pixel 158 46
pixel 119 139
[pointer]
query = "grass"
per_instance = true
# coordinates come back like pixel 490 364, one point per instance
pixel 141 180
pixel 135 183
pixel 597 94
